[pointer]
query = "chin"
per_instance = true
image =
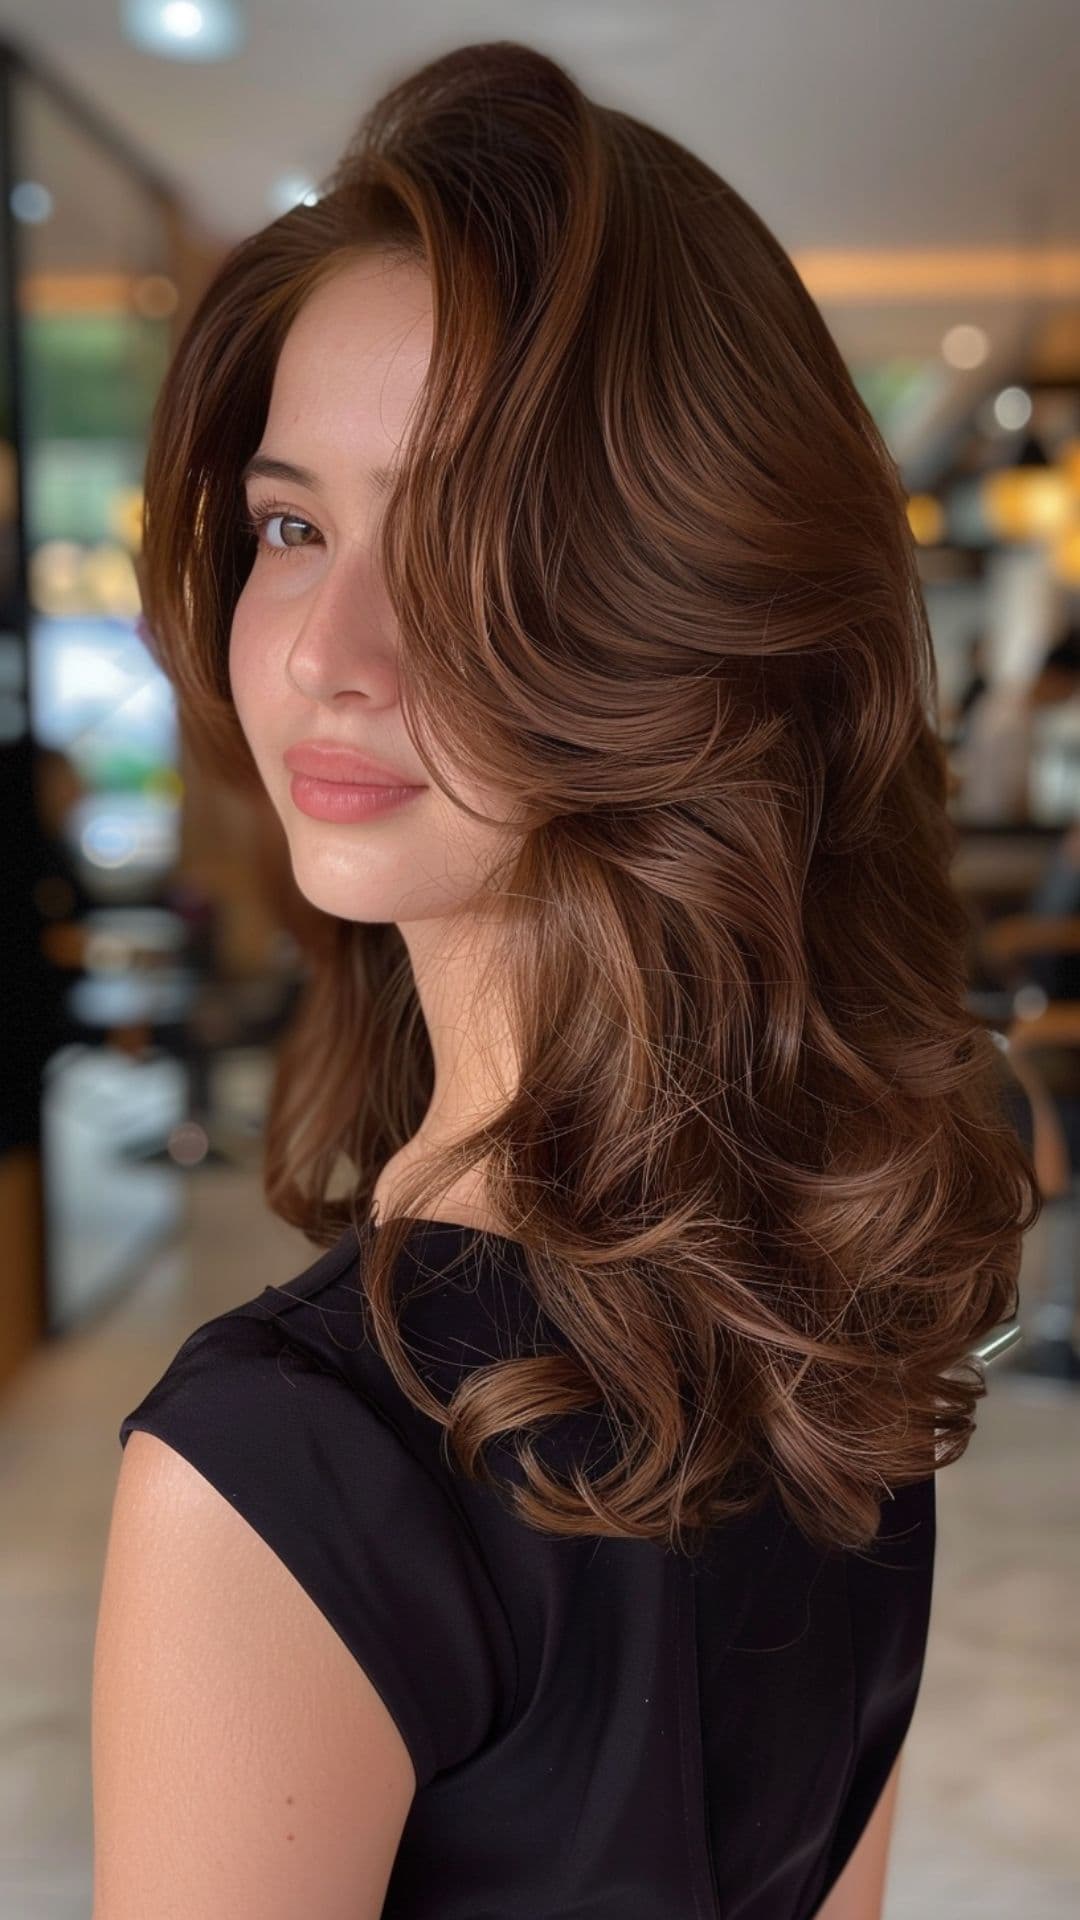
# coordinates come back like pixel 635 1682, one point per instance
pixel 353 883
pixel 340 887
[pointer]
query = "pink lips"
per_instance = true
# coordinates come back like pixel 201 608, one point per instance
pixel 334 783
pixel 325 761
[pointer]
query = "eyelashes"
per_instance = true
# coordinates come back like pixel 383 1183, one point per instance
pixel 265 510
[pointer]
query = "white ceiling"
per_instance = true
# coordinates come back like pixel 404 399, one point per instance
pixel 846 123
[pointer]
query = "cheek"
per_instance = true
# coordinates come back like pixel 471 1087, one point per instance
pixel 249 679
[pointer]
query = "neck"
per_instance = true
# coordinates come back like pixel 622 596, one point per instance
pixel 475 1070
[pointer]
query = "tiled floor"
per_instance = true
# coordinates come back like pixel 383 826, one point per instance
pixel 988 1822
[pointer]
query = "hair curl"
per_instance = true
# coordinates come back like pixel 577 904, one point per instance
pixel 653 575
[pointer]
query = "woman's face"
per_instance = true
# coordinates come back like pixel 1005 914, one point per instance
pixel 312 653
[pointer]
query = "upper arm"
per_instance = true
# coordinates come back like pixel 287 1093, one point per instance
pixel 243 1764
pixel 859 1892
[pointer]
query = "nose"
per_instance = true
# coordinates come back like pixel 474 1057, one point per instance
pixel 344 642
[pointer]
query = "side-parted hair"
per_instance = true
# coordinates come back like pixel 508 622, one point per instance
pixel 654 581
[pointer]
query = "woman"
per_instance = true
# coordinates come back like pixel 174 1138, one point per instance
pixel 560 1541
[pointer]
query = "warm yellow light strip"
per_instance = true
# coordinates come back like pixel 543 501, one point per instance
pixel 944 273
pixel 76 292
pixel 854 274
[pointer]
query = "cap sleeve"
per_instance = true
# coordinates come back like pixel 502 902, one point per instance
pixel 890 1591
pixel 363 1526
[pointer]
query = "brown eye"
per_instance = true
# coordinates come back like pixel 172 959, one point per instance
pixel 266 515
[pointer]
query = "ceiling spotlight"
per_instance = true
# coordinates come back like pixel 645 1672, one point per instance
pixel 185 29
pixel 292 190
pixel 1012 408
pixel 30 202
pixel 965 346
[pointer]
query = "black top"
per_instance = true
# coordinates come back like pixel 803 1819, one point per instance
pixel 601 1729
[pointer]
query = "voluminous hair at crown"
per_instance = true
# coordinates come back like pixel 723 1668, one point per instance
pixel 654 582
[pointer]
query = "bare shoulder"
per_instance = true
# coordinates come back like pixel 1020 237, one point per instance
pixel 242 1761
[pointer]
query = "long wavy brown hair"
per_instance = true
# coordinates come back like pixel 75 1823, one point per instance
pixel 654 578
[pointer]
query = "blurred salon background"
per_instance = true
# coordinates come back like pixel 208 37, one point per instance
pixel 921 163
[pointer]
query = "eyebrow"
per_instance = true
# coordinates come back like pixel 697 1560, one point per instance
pixel 263 466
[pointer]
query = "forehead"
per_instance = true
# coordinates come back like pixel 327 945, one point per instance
pixel 352 364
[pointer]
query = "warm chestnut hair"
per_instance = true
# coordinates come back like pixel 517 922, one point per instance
pixel 654 580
